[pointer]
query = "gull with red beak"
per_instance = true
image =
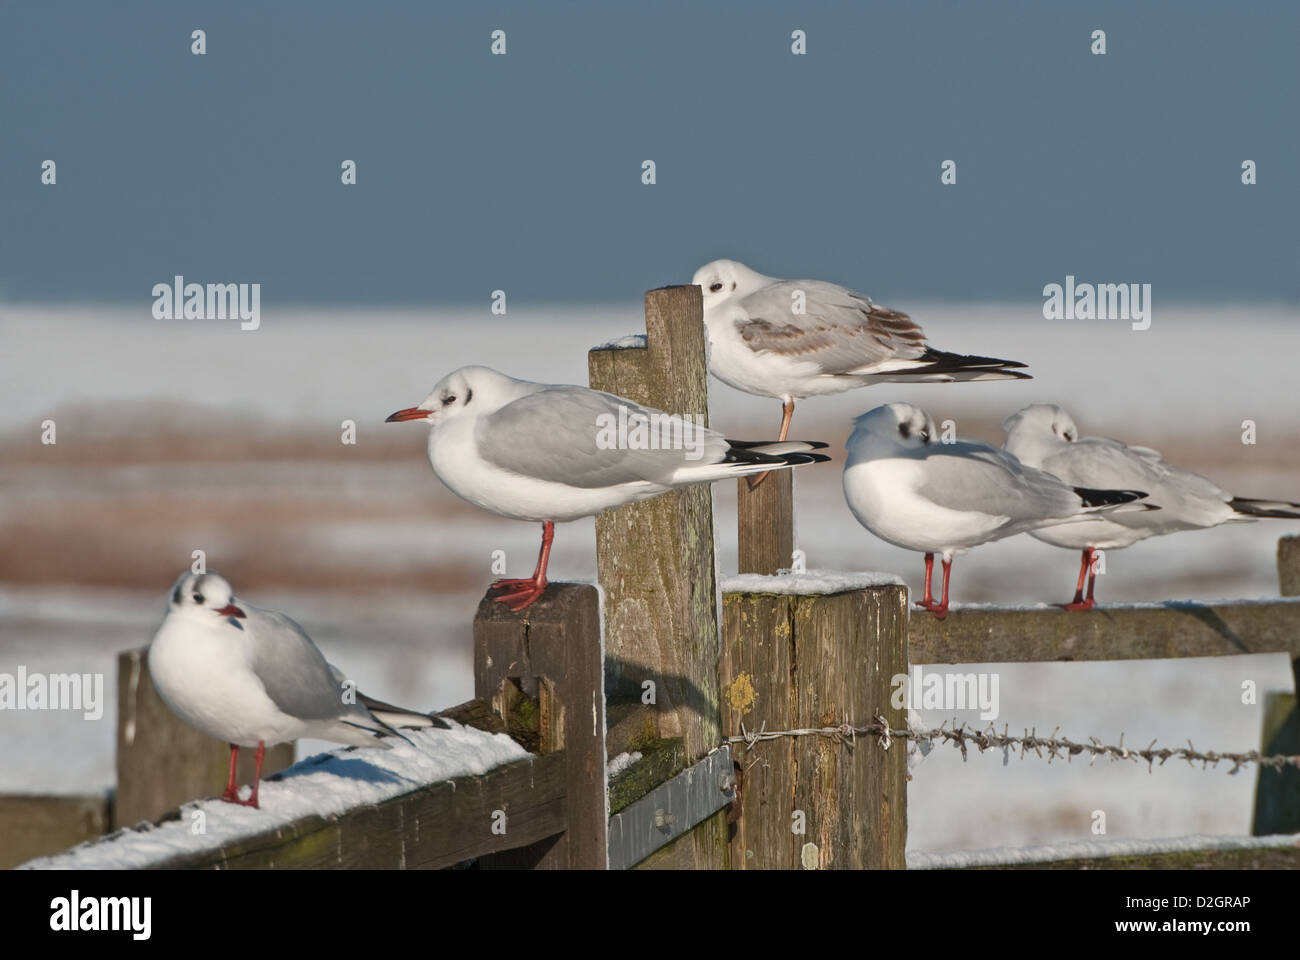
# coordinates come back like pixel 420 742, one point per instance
pixel 548 453
pixel 253 677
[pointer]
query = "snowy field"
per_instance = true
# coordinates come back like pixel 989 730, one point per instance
pixel 384 567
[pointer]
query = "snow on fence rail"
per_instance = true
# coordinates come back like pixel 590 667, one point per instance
pixel 648 666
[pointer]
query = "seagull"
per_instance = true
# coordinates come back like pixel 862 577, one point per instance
pixel 1043 435
pixel 551 453
pixel 792 339
pixel 920 494
pixel 253 677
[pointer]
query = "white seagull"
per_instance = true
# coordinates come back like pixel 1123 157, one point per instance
pixel 791 339
pixel 915 492
pixel 541 452
pixel 1043 435
pixel 253 677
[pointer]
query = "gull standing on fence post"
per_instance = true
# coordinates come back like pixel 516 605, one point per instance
pixel 791 339
pixel 550 453
pixel 920 494
pixel 253 677
pixel 1043 435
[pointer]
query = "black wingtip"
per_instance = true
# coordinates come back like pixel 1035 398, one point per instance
pixel 1277 509
pixel 1102 498
pixel 941 361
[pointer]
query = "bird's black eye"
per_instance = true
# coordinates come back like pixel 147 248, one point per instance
pixel 1069 436
pixel 449 399
pixel 925 436
pixel 715 287
pixel 198 598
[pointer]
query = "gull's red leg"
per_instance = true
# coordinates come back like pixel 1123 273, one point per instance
pixel 941 609
pixel 1086 573
pixel 1092 578
pixel 517 594
pixel 257 772
pixel 787 411
pixel 928 600
pixel 232 791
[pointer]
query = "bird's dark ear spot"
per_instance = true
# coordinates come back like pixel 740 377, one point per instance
pixel 733 284
pixel 176 594
pixel 469 394
pixel 905 429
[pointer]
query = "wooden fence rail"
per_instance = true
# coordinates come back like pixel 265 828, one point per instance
pixel 643 667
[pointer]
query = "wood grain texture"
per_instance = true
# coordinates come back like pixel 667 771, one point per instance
pixel 809 661
pixel 162 761
pixel 655 559
pixel 1176 629
pixel 765 524
pixel 551 651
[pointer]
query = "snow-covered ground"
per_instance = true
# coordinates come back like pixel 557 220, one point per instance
pixel 1184 386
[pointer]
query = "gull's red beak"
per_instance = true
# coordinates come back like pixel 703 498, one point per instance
pixel 230 610
pixel 410 413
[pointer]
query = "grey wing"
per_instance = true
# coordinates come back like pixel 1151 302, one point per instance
pixel 293 671
pixel 842 331
pixel 979 478
pixel 1103 464
pixel 569 435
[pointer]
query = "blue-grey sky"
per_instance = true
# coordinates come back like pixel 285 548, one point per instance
pixel 523 172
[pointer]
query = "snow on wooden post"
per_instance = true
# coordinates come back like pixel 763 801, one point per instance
pixel 765 522
pixel 821 655
pixel 161 760
pixel 655 559
pixel 550 654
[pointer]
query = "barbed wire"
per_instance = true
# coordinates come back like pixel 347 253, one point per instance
pixel 1053 747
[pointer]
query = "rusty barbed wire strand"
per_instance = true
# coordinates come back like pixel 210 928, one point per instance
pixel 1052 747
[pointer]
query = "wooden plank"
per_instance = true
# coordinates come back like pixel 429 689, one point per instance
pixel 671 810
pixel 551 651
pixel 1142 632
pixel 39 826
pixel 431 827
pixel 1277 792
pixel 708 842
pixel 1288 565
pixel 793 662
pixel 655 558
pixel 162 761
pixel 765 523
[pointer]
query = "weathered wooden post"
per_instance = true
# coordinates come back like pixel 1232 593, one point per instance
pixel 765 523
pixel 1288 565
pixel 1277 792
pixel 550 655
pixel 796 660
pixel 162 761
pixel 38 826
pixel 655 562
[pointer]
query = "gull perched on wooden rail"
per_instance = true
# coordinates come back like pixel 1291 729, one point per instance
pixel 1043 435
pixel 920 494
pixel 549 453
pixel 253 677
pixel 791 339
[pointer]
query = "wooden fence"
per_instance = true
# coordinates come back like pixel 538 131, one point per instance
pixel 657 664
